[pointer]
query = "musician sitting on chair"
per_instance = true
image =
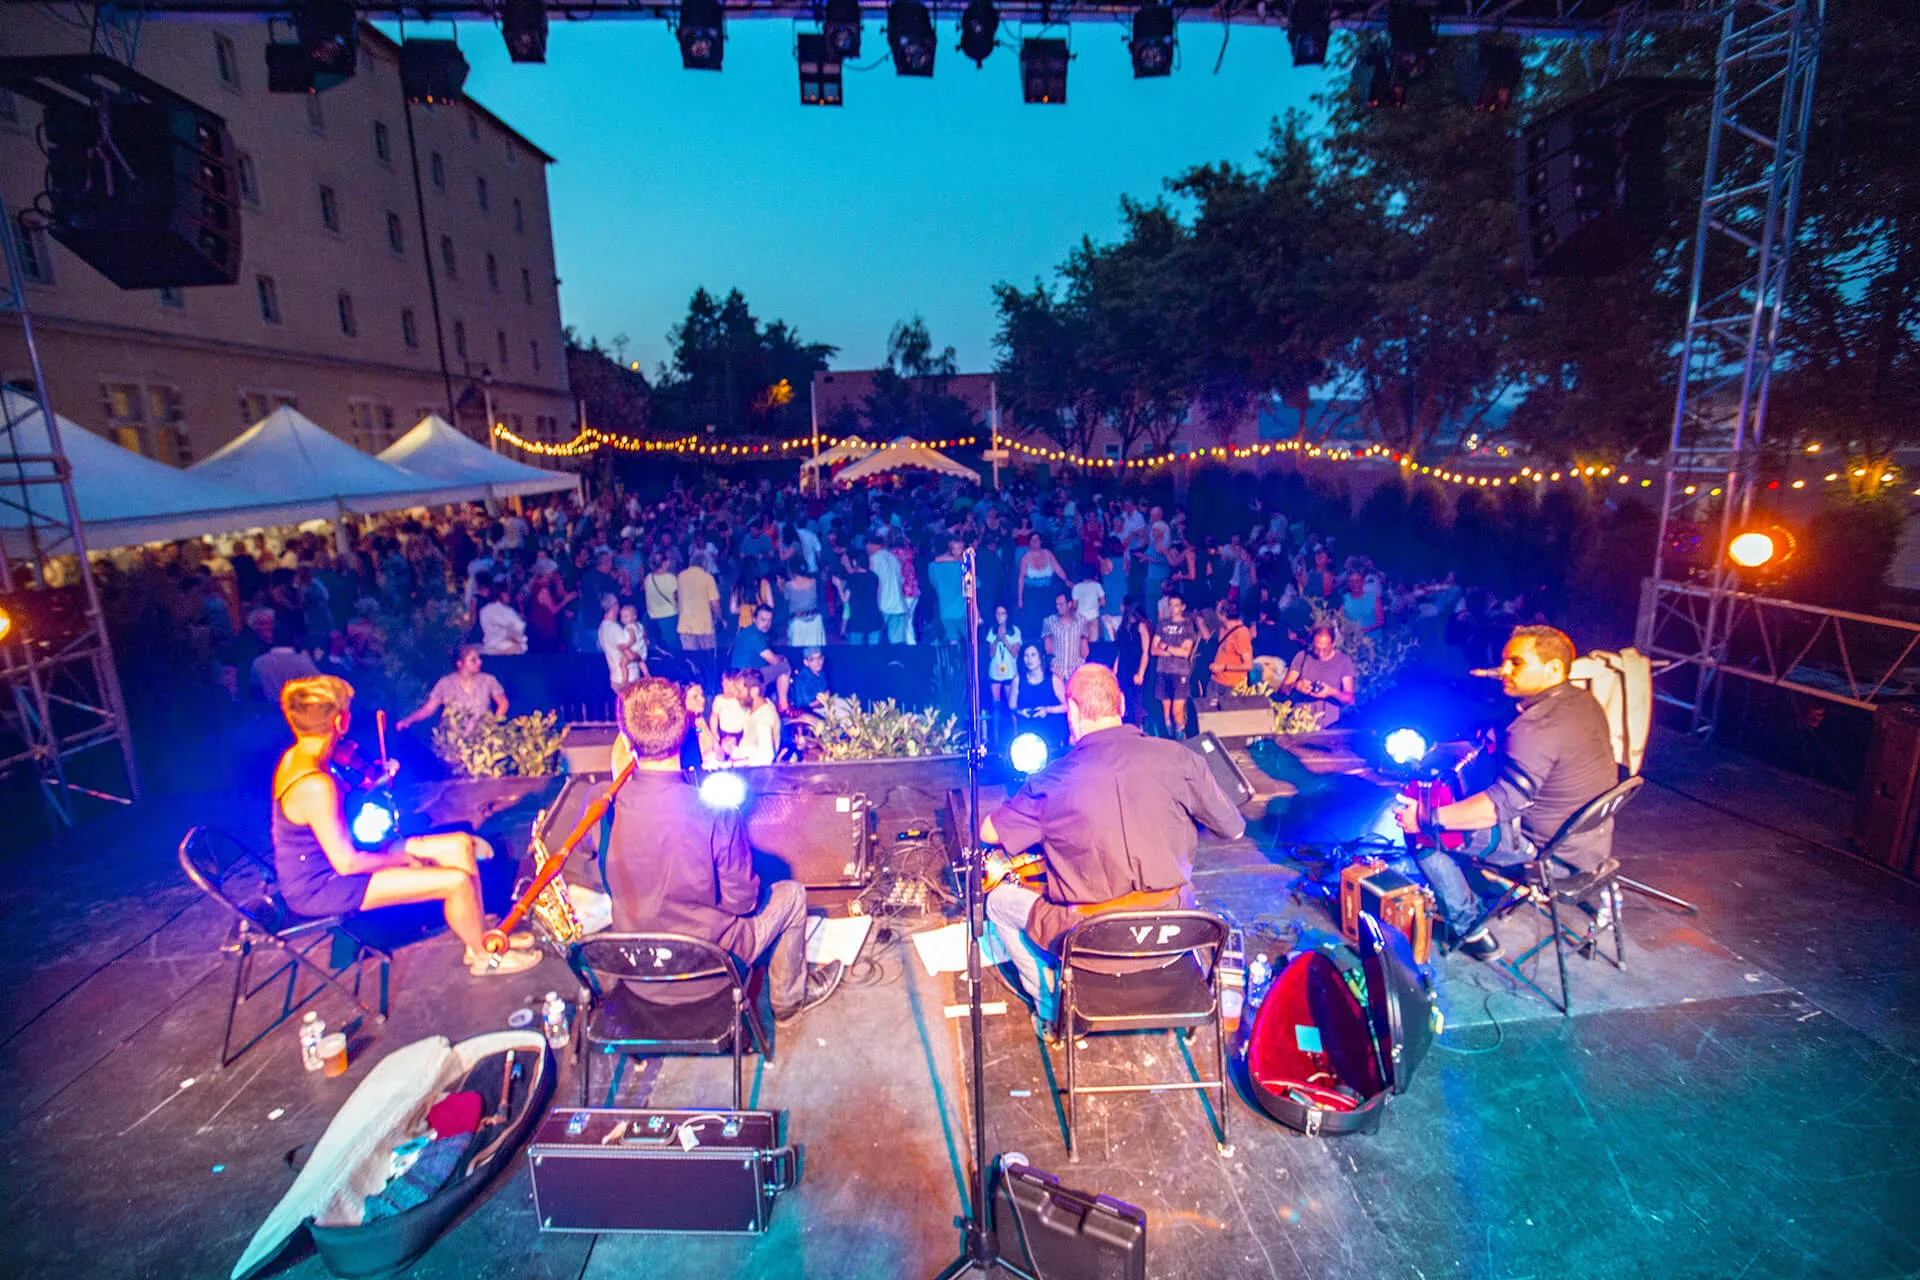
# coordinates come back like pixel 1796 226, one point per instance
pixel 675 865
pixel 1557 757
pixel 1114 819
pixel 322 873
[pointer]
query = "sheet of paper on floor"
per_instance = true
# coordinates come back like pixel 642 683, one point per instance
pixel 837 938
pixel 944 950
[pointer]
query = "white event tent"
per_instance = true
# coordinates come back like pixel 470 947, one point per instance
pixel 125 499
pixel 905 454
pixel 285 457
pixel 437 451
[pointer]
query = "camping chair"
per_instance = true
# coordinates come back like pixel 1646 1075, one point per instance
pixel 242 881
pixel 1181 995
pixel 620 1022
pixel 1551 894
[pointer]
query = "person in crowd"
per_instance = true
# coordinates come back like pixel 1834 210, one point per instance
pixel 321 872
pixel 753 651
pixel 1064 637
pixel 903 551
pixel 947 574
pixel 1321 676
pixel 1088 599
pixel 889 588
pixel 594 583
pixel 698 596
pixel 1115 820
pixel 1233 656
pixel 502 629
pixel 1036 692
pixel 758 742
pixel 1003 656
pixel 860 588
pixel 547 601
pixel 661 590
pixel 1038 576
pixel 676 865
pixel 280 663
pixel 1361 604
pixel 1174 642
pixel 806 624
pixel 614 644
pixel 467 690
pixel 1133 645
pixel 1113 591
pixel 636 642
pixel 1556 758
pixel 237 658
pixel 810 681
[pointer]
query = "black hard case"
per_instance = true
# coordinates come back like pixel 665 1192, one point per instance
pixel 1372 1051
pixel 1055 1233
pixel 647 1181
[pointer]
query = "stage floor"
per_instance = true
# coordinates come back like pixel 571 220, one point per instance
pixel 1742 1101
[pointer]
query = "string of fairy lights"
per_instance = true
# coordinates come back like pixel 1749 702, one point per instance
pixel 591 439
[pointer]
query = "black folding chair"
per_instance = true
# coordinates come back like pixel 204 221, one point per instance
pixel 1551 893
pixel 242 881
pixel 621 1022
pixel 1182 994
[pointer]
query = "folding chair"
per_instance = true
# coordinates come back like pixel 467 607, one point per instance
pixel 242 881
pixel 1549 894
pixel 1180 995
pixel 625 1024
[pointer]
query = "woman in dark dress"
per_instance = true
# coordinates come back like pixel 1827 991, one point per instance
pixel 1130 662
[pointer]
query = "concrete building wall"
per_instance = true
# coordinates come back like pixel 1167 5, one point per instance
pixel 332 309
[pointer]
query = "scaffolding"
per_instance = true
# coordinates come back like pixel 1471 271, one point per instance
pixel 61 704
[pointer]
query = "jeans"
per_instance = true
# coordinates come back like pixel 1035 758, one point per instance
pixel 864 637
pixel 896 627
pixel 1039 973
pixel 1460 902
pixel 779 926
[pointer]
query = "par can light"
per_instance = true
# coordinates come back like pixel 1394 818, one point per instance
pixel 1028 753
pixel 1406 746
pixel 723 790
pixel 1751 550
pixel 372 824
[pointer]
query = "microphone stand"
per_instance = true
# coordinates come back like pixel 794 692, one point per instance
pixel 980 1249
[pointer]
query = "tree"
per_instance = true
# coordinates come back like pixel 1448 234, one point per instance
pixel 909 396
pixel 614 397
pixel 733 375
pixel 1036 379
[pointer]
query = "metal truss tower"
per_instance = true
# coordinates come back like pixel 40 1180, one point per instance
pixel 59 692
pixel 1756 156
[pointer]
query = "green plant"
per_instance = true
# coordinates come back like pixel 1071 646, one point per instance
pixel 1377 656
pixel 849 731
pixel 485 746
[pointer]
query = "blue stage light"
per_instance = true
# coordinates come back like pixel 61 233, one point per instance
pixel 372 824
pixel 1406 746
pixel 723 790
pixel 1028 753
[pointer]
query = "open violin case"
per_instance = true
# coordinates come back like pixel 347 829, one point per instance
pixel 353 1159
pixel 1320 1061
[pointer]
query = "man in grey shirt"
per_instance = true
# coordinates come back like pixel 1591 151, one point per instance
pixel 1322 676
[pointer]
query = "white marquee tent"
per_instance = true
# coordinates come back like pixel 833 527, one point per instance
pixel 436 450
pixel 285 457
pixel 125 499
pixel 905 454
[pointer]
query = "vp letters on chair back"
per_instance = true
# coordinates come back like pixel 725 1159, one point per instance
pixel 1138 936
pixel 658 960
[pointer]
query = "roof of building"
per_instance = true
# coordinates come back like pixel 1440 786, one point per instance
pixel 370 32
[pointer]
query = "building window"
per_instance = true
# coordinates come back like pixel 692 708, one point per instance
pixel 348 325
pixel 526 284
pixel 255 405
pixel 173 297
pixel 396 233
pixel 249 180
pixel 226 62
pixel 329 209
pixel 409 328
pixel 437 167
pixel 480 190
pixel 269 299
pixel 503 350
pixel 124 402
pixel 372 424
pixel 533 349
pixel 446 256
pixel 460 339
pixel 173 446
pixel 382 140
pixel 36 251
pixel 473 127
pixel 493 273
pixel 519 215
pixel 316 115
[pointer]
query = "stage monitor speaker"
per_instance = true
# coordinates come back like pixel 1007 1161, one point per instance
pixel 1059 1234
pixel 825 840
pixel 586 746
pixel 1225 771
pixel 1235 716
pixel 146 193
pixel 1886 824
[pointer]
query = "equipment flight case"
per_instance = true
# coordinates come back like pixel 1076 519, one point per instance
pixel 709 1172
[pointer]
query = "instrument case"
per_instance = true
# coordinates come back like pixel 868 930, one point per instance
pixel 1052 1232
pixel 707 1172
pixel 1322 1063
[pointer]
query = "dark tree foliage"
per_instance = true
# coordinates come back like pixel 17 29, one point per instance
pixel 909 396
pixel 613 396
pixel 732 376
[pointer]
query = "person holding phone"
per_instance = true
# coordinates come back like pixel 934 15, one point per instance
pixel 1321 676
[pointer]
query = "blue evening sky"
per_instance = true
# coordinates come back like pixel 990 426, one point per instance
pixel 915 197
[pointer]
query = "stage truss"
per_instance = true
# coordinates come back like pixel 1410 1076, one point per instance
pixel 60 696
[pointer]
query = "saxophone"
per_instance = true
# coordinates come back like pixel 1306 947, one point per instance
pixel 545 897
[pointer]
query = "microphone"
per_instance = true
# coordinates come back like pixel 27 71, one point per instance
pixel 1485 673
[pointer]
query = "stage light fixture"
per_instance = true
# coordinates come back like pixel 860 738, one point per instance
pixel 820 80
pixel 289 69
pixel 1767 548
pixel 432 70
pixel 1490 78
pixel 1028 753
pixel 1309 31
pixel 1410 39
pixel 979 30
pixel 372 824
pixel 840 24
pixel 1383 88
pixel 723 790
pixel 910 36
pixel 1152 43
pixel 702 35
pixel 1406 746
pixel 1043 70
pixel 523 24
pixel 329 31
pixel 6 624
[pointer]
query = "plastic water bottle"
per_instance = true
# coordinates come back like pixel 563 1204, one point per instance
pixel 312 1031
pixel 1259 978
pixel 553 1015
pixel 1233 982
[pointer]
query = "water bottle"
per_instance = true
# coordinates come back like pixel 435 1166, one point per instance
pixel 312 1030
pixel 1233 981
pixel 553 1014
pixel 1259 978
